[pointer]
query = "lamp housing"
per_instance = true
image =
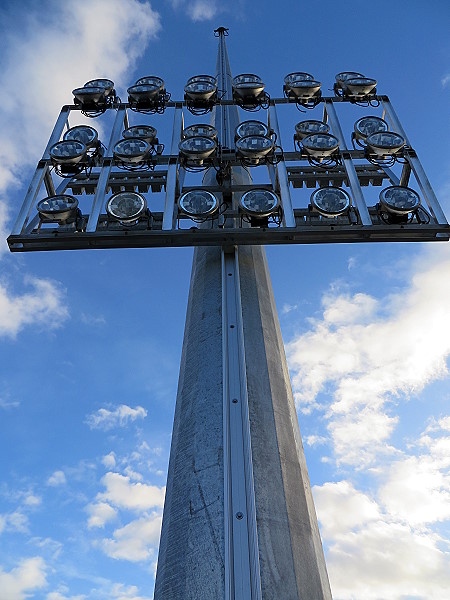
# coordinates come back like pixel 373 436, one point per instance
pixel 68 152
pixel 320 145
pixel 259 202
pixel 200 130
pixel 399 200
pixel 198 203
pixel 330 201
pixel 126 207
pixel 385 143
pixel 143 132
pixel 132 151
pixel 198 148
pixel 310 126
pixel 247 86
pixel 59 208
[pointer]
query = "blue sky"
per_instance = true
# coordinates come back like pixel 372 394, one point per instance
pixel 90 341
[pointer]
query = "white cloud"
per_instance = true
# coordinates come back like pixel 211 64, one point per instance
pixel 57 478
pixel 373 555
pixel 133 496
pixel 342 508
pixel 107 419
pixel 109 460
pixel 17 521
pixel 287 308
pixel 445 80
pixel 120 591
pixel 100 513
pixel 135 542
pixel 2 523
pixel 315 440
pixel 32 500
pixel 64 34
pixel 18 583
pixel 370 352
pixel 44 305
pixel 58 596
pixel 198 10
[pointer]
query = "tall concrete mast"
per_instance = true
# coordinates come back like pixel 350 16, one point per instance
pixel 239 520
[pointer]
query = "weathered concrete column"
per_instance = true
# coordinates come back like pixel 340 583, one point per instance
pixel 199 558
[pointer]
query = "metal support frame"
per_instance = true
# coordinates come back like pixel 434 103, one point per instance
pixel 348 164
pixel 242 575
pixel 27 234
pixel 281 173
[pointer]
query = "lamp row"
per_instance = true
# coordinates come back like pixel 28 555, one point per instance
pixel 330 202
pixel 247 87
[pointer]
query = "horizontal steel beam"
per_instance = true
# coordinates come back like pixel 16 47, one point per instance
pixel 304 234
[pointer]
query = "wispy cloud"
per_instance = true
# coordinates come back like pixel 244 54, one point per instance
pixel 45 304
pixel 198 10
pixel 445 80
pixel 56 479
pixel 107 419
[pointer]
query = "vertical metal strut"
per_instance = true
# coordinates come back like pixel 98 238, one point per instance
pixel 242 573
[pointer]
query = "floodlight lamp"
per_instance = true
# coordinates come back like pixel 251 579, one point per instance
pixel 385 143
pixel 126 207
pixel 196 78
pixel 368 125
pixel 84 134
pixel 68 152
pixel 198 203
pixel 251 127
pixel 259 203
pixel 255 147
pixel 197 149
pixel 155 82
pixel 143 132
pixel 305 128
pixel 59 208
pixel 301 86
pixel 295 77
pixel 201 88
pixel 399 200
pixel 89 95
pixel 132 150
pixel 330 201
pixel 320 145
pixel 143 92
pixel 359 86
pixel 200 130
pixel 248 86
pixel 105 84
pixel 342 77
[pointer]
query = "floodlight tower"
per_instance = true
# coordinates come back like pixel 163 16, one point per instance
pixel 239 521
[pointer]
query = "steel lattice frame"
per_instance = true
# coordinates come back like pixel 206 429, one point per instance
pixel 162 229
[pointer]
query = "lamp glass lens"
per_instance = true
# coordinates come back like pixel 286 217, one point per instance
pixel 67 150
pixel 304 128
pixel 106 84
pixel 251 128
pixel 202 78
pixel 201 130
pixel 386 140
pixel 131 147
pixel 82 133
pixel 247 80
pixel 197 144
pixel 126 206
pixel 145 132
pixel 152 81
pixel 369 125
pixel 54 205
pixel 254 146
pixel 347 75
pixel 198 203
pixel 320 141
pixel 200 87
pixel 293 78
pixel 259 202
pixel 399 200
pixel 330 201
